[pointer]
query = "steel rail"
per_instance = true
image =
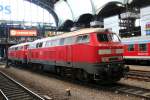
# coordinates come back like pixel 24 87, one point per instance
pixel 133 90
pixel 13 90
pixel 139 75
pixel 117 88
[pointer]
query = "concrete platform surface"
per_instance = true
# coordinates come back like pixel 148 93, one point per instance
pixel 139 67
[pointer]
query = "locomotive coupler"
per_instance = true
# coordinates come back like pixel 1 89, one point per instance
pixel 126 69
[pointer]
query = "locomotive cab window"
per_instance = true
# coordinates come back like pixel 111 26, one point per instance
pixel 85 38
pixel 103 37
pixel 115 38
pixel 131 47
pixel 142 47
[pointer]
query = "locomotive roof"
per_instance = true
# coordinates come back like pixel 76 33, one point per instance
pixel 74 33
pixel 67 34
pixel 21 44
pixel 82 31
pixel 132 40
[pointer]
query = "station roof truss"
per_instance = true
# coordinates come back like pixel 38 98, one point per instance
pixel 140 3
pixel 110 9
pixel 48 5
pixel 107 10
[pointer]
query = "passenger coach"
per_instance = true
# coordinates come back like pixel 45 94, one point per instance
pixel 137 48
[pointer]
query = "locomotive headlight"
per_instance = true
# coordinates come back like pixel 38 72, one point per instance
pixel 104 51
pixel 119 51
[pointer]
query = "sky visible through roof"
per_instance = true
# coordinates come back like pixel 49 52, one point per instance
pixel 21 10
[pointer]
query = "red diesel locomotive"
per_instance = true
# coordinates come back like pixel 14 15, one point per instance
pixel 91 53
pixel 18 53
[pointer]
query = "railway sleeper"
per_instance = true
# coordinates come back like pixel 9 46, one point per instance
pixel 28 97
pixel 17 95
pixel 11 93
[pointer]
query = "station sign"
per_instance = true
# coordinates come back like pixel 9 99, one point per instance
pixel 24 11
pixel 6 9
pixel 14 32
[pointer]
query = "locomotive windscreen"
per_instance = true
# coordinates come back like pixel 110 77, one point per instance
pixel 107 37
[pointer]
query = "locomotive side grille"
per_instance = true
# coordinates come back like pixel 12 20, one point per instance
pixel 110 59
pixel 119 51
pixel 113 59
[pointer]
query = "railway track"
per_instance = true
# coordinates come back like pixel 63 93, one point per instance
pixel 131 90
pixel 12 90
pixel 117 88
pixel 139 75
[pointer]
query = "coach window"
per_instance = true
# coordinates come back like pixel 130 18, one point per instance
pixel 131 47
pixel 142 47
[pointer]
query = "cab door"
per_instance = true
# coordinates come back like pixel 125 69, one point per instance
pixel 69 55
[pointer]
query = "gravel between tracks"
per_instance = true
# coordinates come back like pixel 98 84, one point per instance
pixel 55 88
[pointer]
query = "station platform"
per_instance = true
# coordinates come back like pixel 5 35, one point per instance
pixel 139 67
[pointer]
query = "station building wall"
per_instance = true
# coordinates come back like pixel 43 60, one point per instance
pixel 145 20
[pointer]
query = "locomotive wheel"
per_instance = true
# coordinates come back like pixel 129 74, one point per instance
pixel 83 75
pixel 40 67
pixel 58 70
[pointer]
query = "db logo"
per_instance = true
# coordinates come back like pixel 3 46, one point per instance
pixel 12 33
